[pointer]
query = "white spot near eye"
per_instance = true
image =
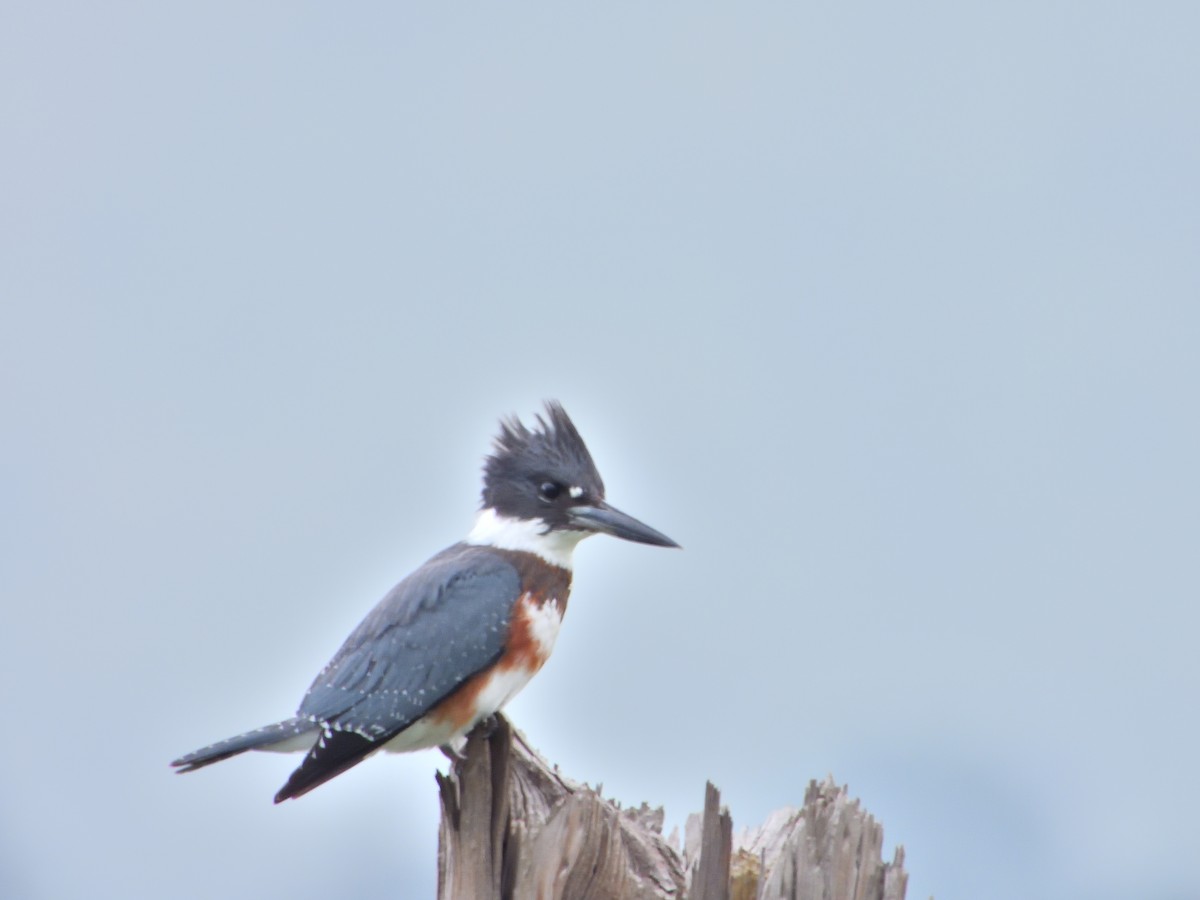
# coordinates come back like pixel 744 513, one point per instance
pixel 576 492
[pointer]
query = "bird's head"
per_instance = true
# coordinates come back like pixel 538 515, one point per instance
pixel 544 477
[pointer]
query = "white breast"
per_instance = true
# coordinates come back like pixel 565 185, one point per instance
pixel 503 683
pixel 506 683
pixel 544 622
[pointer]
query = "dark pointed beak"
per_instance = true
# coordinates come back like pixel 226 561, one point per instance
pixel 602 517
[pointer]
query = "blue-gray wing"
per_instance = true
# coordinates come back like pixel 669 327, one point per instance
pixel 435 629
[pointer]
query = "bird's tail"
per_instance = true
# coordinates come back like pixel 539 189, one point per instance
pixel 290 734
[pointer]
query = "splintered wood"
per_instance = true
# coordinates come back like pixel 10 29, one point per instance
pixel 830 849
pixel 514 828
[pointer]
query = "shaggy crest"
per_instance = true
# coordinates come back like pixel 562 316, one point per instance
pixel 553 451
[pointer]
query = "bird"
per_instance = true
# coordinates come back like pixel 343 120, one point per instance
pixel 459 637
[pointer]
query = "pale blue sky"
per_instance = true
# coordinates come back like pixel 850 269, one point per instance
pixel 889 314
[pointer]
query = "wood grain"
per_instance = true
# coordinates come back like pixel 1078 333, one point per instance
pixel 513 827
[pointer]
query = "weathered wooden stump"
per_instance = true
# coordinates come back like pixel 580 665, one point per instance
pixel 513 828
pixel 829 849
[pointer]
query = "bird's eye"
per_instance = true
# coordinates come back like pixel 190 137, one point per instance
pixel 549 490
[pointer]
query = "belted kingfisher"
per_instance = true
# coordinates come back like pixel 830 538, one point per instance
pixel 459 637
